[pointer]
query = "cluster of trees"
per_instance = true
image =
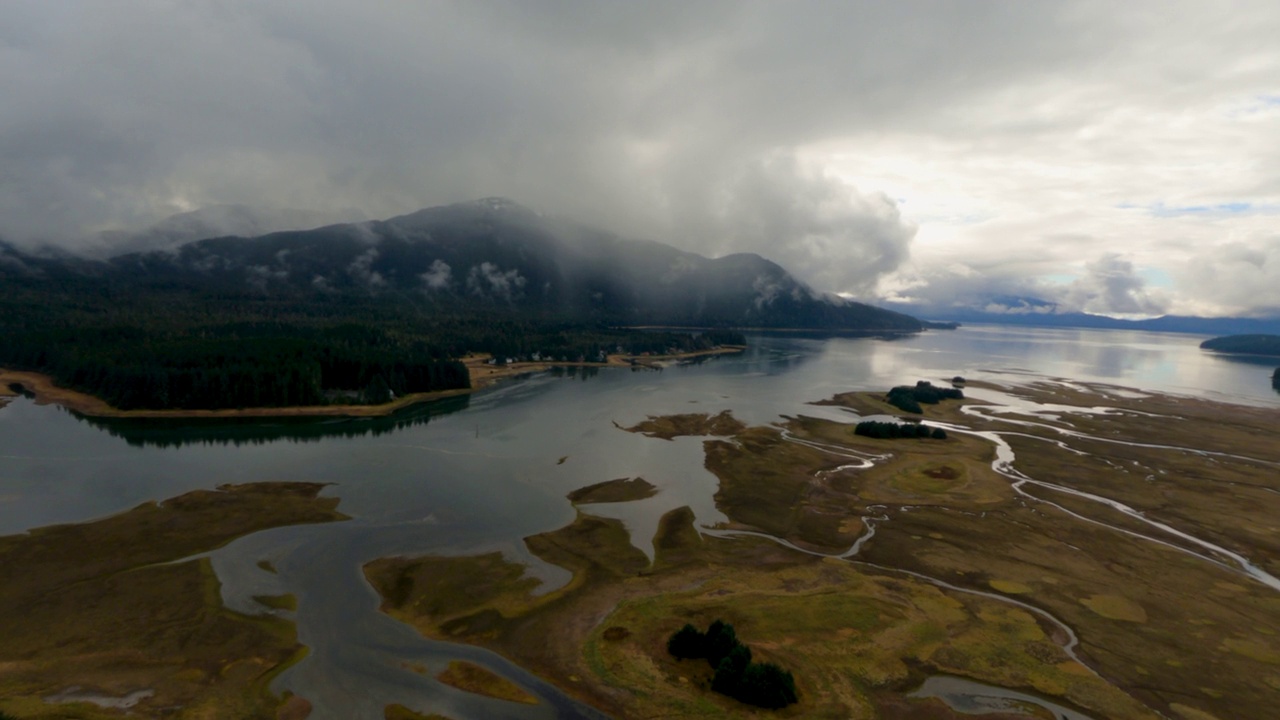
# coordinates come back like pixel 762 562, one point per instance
pixel 579 343
pixel 761 684
pixel 875 429
pixel 908 398
pixel 235 364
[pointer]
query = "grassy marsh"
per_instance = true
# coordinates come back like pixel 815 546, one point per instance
pixel 1158 628
pixel 99 605
pixel 474 679
pixel 611 491
pixel 669 427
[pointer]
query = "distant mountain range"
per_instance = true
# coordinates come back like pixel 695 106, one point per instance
pixel 1040 313
pixel 491 254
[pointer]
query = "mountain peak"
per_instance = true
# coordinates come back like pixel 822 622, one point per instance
pixel 499 204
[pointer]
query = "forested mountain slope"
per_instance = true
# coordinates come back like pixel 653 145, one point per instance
pixel 496 254
pixel 304 317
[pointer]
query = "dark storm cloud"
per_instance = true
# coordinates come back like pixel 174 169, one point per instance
pixel 638 115
pixel 684 122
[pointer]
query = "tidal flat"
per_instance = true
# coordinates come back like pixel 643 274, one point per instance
pixel 123 610
pixel 1112 550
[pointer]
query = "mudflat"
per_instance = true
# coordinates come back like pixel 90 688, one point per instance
pixel 1111 550
pixel 102 607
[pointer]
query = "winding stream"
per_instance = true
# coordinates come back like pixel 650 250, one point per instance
pixel 479 474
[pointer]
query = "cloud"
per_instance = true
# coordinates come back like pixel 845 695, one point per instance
pixel 438 276
pixel 361 269
pixel 488 280
pixel 1240 276
pixel 816 226
pixel 863 145
pixel 259 276
pixel 1110 286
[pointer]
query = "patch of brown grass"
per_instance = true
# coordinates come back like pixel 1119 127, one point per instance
pixel 475 679
pixel 612 491
pixel 97 605
pixel 668 427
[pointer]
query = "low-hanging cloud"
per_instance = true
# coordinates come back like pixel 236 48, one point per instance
pixel 635 117
pixel 689 123
pixel 1111 286
pixel 437 277
pixel 489 280
pixel 361 269
pixel 816 226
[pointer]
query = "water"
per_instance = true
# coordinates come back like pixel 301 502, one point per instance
pixel 976 698
pixel 480 473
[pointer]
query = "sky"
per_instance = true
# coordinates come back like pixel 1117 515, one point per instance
pixel 1119 158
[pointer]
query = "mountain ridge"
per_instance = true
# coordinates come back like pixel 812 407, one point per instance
pixel 496 254
pixel 1188 324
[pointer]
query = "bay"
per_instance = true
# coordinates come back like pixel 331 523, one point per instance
pixel 482 472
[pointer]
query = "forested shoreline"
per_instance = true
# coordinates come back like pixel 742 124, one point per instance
pixel 175 349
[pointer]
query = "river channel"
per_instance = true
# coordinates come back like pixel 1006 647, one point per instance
pixel 479 473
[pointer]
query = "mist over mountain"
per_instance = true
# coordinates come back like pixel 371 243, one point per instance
pixel 213 221
pixel 491 254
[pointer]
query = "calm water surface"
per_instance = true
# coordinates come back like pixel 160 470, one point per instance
pixel 480 473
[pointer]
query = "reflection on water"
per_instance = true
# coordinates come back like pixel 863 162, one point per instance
pixel 977 698
pixel 481 472
pixel 163 433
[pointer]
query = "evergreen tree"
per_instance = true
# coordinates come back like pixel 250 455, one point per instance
pixel 767 685
pixel 377 392
pixel 728 677
pixel 687 642
pixel 720 640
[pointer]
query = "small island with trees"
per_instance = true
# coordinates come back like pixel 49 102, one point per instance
pixel 1259 344
pixel 908 398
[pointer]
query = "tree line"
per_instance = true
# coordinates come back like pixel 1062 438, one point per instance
pixel 891 430
pixel 158 348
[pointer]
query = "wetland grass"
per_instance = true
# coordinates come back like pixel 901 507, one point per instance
pixel 99 605
pixel 612 491
pixel 474 679
pixel 1161 628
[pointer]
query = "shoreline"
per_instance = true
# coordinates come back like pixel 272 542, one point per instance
pixel 481 375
